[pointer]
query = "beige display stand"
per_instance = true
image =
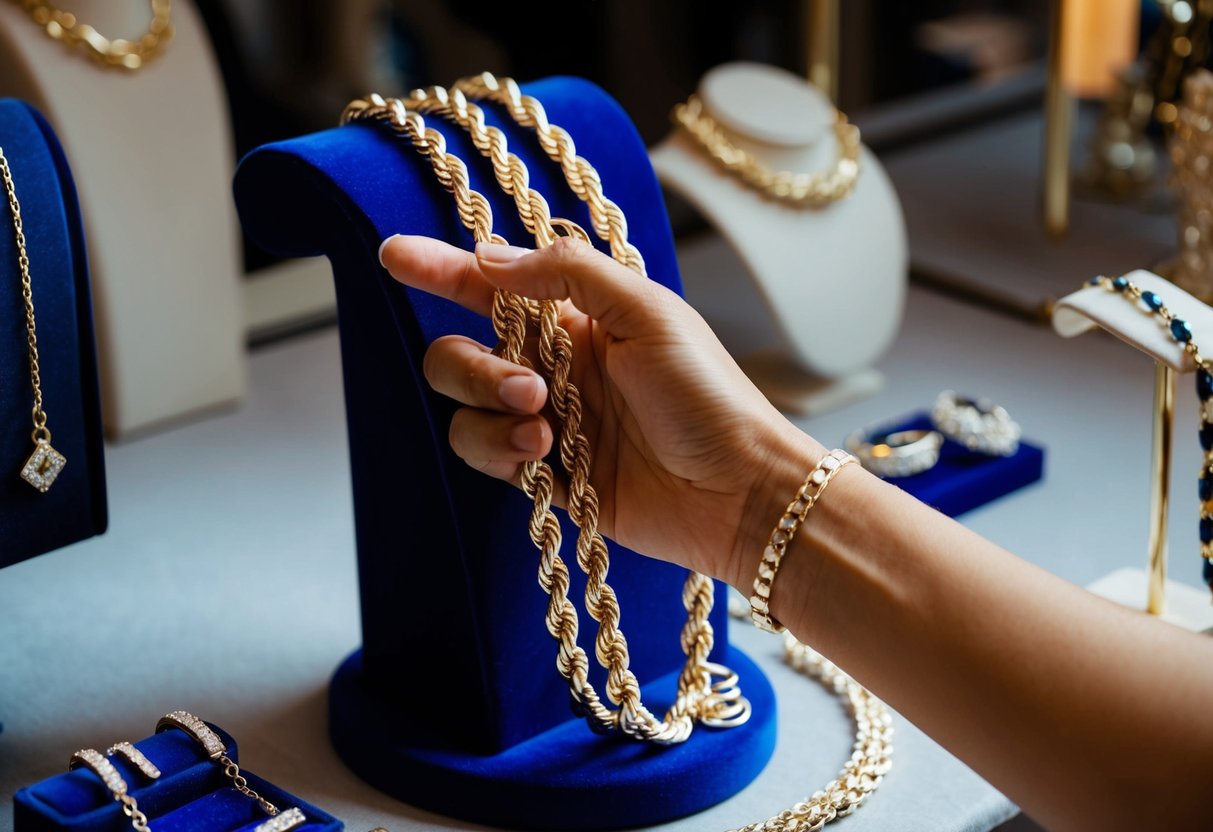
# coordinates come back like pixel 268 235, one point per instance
pixel 830 280
pixel 151 153
pixel 1095 306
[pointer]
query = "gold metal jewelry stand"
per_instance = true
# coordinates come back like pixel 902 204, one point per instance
pixel 1059 121
pixel 1160 496
pixel 821 17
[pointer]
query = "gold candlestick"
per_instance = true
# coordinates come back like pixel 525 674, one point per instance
pixel 822 40
pixel 1059 118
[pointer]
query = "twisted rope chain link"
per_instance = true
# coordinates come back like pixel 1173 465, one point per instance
pixel 606 217
pixel 871 752
pixel 697 696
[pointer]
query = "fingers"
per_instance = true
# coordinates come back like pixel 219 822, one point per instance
pixel 438 268
pixel 498 443
pixel 470 373
pixel 626 303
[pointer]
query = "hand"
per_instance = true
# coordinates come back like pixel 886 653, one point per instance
pixel 690 461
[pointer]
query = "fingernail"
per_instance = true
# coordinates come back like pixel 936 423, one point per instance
pixel 497 253
pixel 527 437
pixel 383 245
pixel 519 392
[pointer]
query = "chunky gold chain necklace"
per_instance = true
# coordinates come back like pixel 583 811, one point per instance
pixel 119 53
pixel 698 698
pixel 805 189
pixel 45 463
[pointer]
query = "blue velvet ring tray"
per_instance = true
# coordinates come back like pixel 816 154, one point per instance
pixel 963 480
pixel 191 795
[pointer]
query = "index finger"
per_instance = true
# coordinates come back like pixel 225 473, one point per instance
pixel 438 268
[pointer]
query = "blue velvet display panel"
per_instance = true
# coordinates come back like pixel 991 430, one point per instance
pixel 964 480
pixel 191 795
pixel 455 653
pixel 75 506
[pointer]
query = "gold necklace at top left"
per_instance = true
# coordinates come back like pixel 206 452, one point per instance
pixel 118 53
pixel 45 463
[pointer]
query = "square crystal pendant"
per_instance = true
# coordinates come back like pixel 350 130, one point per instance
pixel 43 467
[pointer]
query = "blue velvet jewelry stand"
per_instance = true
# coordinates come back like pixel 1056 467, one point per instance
pixel 74 508
pixel 191 795
pixel 454 703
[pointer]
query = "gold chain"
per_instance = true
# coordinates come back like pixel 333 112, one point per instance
pixel 43 466
pixel 119 53
pixel 511 316
pixel 804 189
pixel 232 772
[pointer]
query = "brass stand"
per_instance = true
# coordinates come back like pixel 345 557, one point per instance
pixel 1160 463
pixel 821 16
pixel 1059 120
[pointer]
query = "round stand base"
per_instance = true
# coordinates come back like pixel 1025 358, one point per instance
pixel 567 778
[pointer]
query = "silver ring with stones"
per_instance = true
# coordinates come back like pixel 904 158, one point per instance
pixel 978 424
pixel 901 453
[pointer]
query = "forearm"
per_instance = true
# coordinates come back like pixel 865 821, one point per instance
pixel 1074 707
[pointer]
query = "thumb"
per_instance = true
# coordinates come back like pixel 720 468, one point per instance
pixel 628 304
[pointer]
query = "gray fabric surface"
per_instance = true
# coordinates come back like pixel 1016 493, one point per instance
pixel 228 534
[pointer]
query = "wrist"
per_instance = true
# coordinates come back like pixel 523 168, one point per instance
pixel 782 461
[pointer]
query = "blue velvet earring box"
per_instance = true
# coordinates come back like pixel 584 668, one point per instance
pixel 191 795
pixel 454 703
pixel 963 480
pixel 74 508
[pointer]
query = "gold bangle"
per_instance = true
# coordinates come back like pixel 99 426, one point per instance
pixel 777 545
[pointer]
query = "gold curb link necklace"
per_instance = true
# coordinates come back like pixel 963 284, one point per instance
pixel 118 53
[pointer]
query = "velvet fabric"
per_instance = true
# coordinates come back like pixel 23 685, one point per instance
pixel 191 795
pixel 456 660
pixel 963 480
pixel 75 506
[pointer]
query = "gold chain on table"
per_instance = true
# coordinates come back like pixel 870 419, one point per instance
pixel 118 53
pixel 804 189
pixel 716 703
pixel 44 465
pixel 872 749
pixel 698 637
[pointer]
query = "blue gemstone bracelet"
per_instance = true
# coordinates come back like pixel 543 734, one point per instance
pixel 1152 304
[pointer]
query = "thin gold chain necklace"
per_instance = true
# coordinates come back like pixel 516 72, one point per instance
pixel 803 189
pixel 118 53
pixel 45 463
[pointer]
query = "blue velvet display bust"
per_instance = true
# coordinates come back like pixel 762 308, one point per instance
pixel 75 506
pixel 454 703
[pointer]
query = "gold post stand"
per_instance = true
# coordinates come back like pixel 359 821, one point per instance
pixel 1160 497
pixel 821 17
pixel 1059 120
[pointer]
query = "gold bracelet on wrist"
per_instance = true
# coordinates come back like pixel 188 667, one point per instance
pixel 777 545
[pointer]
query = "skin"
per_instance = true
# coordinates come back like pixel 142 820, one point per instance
pixel 1086 714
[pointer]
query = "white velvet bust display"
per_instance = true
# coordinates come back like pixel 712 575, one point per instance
pixel 151 153
pixel 830 279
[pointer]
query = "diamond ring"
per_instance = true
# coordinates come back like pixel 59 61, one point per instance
pixel 978 424
pixel 894 454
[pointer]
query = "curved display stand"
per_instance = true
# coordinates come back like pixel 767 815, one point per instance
pixel 152 153
pixel 74 508
pixel 454 703
pixel 826 284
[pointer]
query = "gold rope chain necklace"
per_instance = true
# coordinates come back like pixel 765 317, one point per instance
pixel 698 699
pixel 118 53
pixel 45 463
pixel 802 189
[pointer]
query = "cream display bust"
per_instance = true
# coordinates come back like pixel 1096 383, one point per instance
pixel 151 153
pixel 829 280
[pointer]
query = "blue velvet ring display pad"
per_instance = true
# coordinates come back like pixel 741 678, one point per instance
pixel 191 795
pixel 74 508
pixel 963 480
pixel 456 662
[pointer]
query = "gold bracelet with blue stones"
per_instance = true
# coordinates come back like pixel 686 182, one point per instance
pixel 1181 333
